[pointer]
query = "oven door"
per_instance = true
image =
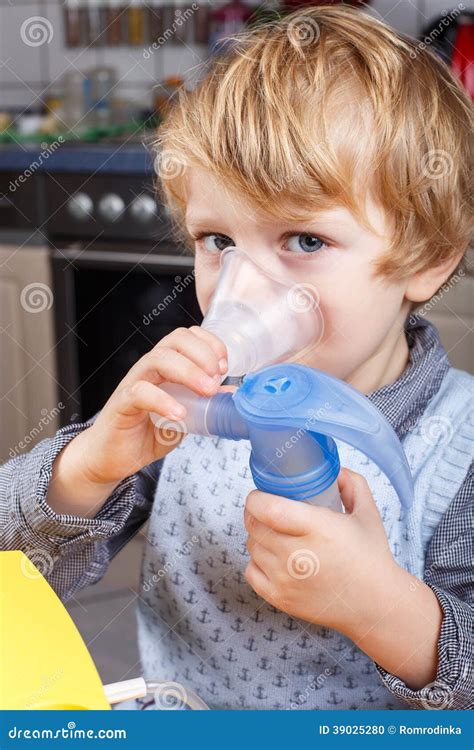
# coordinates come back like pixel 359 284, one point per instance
pixel 111 307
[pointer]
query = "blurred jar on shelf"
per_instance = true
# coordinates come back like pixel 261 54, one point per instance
pixel 115 22
pixel 201 23
pixel 76 23
pixel 97 20
pixel 136 22
pixel 155 20
pixel 184 21
pixel 75 111
pixel 168 15
pixel 102 85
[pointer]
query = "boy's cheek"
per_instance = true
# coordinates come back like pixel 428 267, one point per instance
pixel 358 312
pixel 205 288
pixel 356 320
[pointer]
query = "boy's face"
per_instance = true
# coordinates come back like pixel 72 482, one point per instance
pixel 330 253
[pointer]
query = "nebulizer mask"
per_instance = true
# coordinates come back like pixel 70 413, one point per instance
pixel 261 317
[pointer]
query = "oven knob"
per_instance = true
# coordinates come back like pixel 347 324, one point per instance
pixel 143 208
pixel 111 206
pixel 80 206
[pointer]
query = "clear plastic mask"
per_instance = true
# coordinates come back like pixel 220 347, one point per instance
pixel 261 317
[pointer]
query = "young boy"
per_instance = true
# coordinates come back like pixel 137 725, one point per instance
pixel 335 152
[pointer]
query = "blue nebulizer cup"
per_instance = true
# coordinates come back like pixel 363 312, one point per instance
pixel 291 414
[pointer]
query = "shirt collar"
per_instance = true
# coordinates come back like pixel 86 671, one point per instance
pixel 403 402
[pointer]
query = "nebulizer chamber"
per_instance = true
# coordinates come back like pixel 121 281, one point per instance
pixel 291 414
pixel 261 319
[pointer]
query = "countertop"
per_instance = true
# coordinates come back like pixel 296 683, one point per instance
pixel 116 158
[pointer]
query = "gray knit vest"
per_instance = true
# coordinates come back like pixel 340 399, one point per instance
pixel 199 621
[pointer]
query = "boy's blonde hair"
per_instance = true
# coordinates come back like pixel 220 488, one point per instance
pixel 329 106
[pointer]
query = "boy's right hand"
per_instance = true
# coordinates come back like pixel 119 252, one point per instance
pixel 123 439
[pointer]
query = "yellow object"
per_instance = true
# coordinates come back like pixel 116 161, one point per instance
pixel 44 663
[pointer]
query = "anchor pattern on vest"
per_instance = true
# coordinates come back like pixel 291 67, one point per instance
pixel 200 622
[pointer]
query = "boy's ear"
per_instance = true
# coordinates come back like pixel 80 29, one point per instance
pixel 422 285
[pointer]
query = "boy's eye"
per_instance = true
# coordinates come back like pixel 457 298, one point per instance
pixel 215 243
pixel 296 243
pixel 304 243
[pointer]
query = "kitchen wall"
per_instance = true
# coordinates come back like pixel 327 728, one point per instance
pixel 28 72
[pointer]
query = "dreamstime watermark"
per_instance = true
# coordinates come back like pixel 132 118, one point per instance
pixel 314 416
pixel 180 285
pixel 47 150
pixel 169 164
pixel 428 306
pixel 170 696
pixel 169 32
pixel 303 563
pixel 170 564
pixel 302 298
pixel 170 431
pixel 36 297
pixel 436 164
pixel 283 184
pixel 36 31
pixel 71 732
pixel 302 31
pixel 36 563
pixel 436 430
pixel 436 696
pixel 446 21
pixel 46 419
pixel 315 684
pixel 45 686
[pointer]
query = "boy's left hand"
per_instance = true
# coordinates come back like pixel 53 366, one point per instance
pixel 316 564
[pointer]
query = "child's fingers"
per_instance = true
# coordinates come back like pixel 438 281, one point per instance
pixel 144 396
pixel 346 488
pixel 216 344
pixel 258 580
pixel 262 534
pixel 261 556
pixel 195 348
pixel 356 495
pixel 282 515
pixel 173 367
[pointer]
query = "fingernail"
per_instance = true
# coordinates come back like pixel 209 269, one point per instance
pixel 177 412
pixel 223 365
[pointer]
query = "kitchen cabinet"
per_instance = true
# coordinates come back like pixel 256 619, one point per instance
pixel 29 407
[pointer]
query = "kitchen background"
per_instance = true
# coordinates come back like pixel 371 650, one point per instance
pixel 31 73
pixel 86 250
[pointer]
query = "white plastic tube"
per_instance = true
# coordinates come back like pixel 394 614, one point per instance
pixel 117 692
